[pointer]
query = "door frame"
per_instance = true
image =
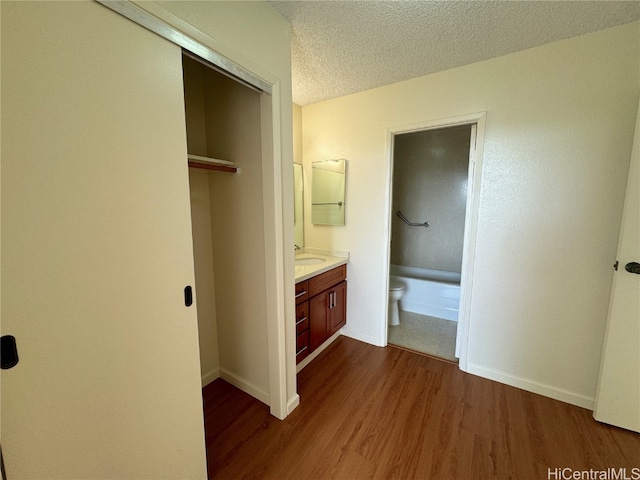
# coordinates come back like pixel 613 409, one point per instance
pixel 471 217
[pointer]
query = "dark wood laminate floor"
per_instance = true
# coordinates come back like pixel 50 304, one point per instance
pixel 370 412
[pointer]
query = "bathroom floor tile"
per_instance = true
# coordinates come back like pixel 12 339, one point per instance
pixel 434 336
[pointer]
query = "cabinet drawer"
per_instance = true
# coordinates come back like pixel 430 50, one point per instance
pixel 327 280
pixel 302 317
pixel 302 341
pixel 302 355
pixel 302 291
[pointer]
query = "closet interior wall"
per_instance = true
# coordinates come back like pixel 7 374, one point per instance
pixel 223 121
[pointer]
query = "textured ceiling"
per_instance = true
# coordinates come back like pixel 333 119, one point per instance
pixel 343 47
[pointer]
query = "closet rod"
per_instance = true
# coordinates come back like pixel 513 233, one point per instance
pixel 208 163
pixel 211 166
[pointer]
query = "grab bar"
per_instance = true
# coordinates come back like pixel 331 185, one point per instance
pixel 330 203
pixel 411 224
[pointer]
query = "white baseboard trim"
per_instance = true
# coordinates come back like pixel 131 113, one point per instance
pixel 210 376
pixel 293 403
pixel 317 351
pixel 363 337
pixel 245 385
pixel 532 386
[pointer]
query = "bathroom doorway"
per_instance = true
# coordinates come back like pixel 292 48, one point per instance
pixel 432 180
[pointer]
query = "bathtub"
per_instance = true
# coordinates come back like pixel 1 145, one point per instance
pixel 428 292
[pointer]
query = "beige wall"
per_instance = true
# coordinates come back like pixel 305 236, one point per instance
pixel 430 170
pixel 558 139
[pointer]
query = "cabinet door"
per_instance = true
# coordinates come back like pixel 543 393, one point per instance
pixel 337 315
pixel 327 314
pixel 96 250
pixel 318 310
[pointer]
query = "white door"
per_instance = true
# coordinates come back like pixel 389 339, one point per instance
pixel 96 250
pixel 618 396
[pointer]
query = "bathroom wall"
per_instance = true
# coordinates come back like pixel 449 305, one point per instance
pixel 430 170
pixel 559 129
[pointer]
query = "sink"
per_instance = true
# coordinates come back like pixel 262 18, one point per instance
pixel 304 262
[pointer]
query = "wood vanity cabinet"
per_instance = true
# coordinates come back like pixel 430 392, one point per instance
pixel 302 320
pixel 325 309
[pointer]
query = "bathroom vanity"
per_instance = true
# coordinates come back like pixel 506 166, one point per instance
pixel 321 300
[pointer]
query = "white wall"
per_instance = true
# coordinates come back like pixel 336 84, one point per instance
pixel 558 139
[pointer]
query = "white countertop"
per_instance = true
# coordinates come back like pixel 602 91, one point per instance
pixel 331 260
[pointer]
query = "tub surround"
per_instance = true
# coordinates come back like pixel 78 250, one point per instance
pixel 435 293
pixel 332 259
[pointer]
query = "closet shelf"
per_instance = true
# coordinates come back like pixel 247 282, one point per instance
pixel 207 163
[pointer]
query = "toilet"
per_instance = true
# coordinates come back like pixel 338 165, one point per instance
pixel 396 290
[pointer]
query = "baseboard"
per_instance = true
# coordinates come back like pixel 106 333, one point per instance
pixel 245 386
pixel 293 403
pixel 317 351
pixel 363 337
pixel 210 376
pixel 532 386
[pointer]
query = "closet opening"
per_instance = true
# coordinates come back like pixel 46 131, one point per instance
pixel 234 114
pixel 225 143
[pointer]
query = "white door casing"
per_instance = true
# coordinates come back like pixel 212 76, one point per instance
pixel 477 121
pixel 96 250
pixel 618 393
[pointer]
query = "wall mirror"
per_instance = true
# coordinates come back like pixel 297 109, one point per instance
pixel 298 205
pixel 328 180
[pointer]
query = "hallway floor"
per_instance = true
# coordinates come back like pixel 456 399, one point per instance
pixel 421 333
